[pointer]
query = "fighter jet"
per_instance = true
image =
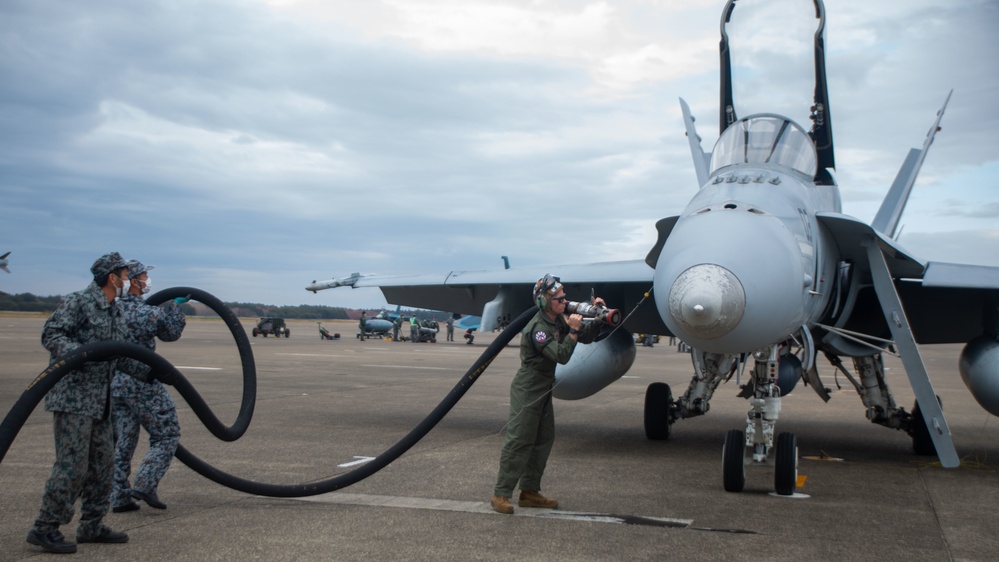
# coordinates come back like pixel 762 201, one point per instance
pixel 4 261
pixel 762 275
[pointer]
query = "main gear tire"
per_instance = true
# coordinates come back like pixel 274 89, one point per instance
pixel 734 461
pixel 922 442
pixel 658 401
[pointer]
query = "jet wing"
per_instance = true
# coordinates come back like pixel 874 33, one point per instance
pixel 622 284
pixel 944 302
pixel 952 302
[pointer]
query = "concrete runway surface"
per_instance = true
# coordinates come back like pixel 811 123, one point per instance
pixel 325 404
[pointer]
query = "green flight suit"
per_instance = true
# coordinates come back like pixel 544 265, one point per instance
pixel 530 432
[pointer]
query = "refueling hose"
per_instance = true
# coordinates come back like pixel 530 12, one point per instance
pixel 162 370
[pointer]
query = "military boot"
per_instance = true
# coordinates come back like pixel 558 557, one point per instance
pixel 535 499
pixel 502 504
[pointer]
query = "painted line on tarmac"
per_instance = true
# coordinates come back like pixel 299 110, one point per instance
pixel 198 368
pixel 408 367
pixel 485 509
pixel 315 355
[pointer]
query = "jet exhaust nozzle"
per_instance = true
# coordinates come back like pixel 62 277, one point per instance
pixel 609 316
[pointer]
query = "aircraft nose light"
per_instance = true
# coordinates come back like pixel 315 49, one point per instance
pixel 707 301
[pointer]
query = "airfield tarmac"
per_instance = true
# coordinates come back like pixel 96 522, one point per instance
pixel 322 404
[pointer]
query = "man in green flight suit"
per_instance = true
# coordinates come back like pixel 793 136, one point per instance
pixel 549 338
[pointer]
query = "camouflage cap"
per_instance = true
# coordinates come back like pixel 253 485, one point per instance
pixel 137 268
pixel 107 264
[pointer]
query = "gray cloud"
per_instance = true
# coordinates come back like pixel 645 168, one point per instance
pixel 246 151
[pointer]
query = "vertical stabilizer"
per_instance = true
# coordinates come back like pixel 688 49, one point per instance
pixel 701 160
pixel 886 221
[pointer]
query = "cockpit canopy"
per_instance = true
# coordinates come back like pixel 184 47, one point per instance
pixel 765 138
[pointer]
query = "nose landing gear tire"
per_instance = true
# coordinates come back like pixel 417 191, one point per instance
pixel 786 464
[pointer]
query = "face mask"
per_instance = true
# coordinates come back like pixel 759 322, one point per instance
pixel 146 285
pixel 123 290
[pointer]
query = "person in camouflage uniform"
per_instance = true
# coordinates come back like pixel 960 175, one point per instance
pixel 135 403
pixel 81 409
pixel 547 339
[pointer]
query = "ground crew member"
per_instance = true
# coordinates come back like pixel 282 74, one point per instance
pixel 450 327
pixel 547 339
pixel 364 325
pixel 414 329
pixel 135 403
pixel 81 412
pixel 395 328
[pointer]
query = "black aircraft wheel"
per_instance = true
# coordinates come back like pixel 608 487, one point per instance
pixel 658 400
pixel 922 443
pixel 786 464
pixel 733 461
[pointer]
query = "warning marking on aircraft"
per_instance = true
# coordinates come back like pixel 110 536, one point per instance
pixel 485 509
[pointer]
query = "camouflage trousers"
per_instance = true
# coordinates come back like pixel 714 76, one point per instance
pixel 530 435
pixel 84 449
pixel 149 405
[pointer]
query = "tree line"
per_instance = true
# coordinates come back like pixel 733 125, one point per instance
pixel 27 302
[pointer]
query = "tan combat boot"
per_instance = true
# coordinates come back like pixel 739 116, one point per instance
pixel 502 505
pixel 535 499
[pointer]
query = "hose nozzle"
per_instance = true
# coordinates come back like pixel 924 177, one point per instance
pixel 609 316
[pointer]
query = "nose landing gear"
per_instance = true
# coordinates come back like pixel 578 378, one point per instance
pixel 756 446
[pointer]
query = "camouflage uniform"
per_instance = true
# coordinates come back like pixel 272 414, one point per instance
pixel 148 404
pixel 81 405
pixel 530 432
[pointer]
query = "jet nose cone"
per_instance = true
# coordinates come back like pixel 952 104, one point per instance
pixel 707 301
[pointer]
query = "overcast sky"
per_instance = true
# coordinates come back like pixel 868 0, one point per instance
pixel 248 147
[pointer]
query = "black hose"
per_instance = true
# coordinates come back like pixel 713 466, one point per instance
pixel 162 370
pixel 382 460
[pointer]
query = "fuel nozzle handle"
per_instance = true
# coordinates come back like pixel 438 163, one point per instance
pixel 609 316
